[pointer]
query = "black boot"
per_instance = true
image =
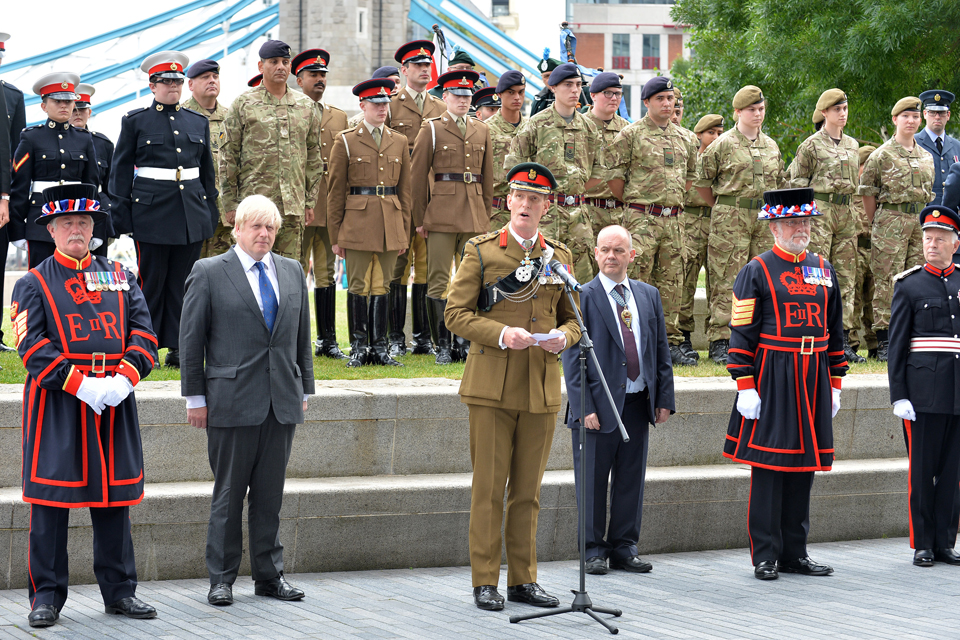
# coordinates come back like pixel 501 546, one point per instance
pixel 357 326
pixel 397 314
pixel 718 351
pixel 173 358
pixel 438 329
pixel 678 357
pixel 421 327
pixel 377 326
pixel 848 351
pixel 883 344
pixel 687 347
pixel 324 302
pixel 460 348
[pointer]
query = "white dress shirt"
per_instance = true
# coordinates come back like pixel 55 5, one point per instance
pixel 638 385
pixel 253 279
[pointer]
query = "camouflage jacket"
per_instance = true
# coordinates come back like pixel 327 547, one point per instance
pixel 824 166
pixel 893 175
pixel 216 136
pixel 502 134
pixel 655 164
pixel 272 147
pixel 692 197
pixel 609 131
pixel 734 165
pixel 570 151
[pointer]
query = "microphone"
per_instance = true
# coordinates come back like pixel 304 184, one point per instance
pixel 568 279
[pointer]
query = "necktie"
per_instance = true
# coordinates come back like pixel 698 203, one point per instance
pixel 419 99
pixel 939 146
pixel 629 343
pixel 376 136
pixel 268 297
pixel 462 125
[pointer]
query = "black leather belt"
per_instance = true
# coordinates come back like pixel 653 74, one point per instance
pixel 833 198
pixel 458 177
pixel 373 191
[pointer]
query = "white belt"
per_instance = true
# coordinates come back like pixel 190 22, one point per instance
pixel 945 345
pixel 38 187
pixel 175 175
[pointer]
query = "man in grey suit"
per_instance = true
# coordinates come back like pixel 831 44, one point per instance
pixel 246 368
pixel 626 323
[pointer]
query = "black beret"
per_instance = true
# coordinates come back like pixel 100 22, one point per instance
pixel 604 81
pixel 564 72
pixel 655 85
pixel 274 49
pixel 510 79
pixel 385 72
pixel 200 67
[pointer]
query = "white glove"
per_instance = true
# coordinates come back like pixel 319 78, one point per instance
pixel 95 243
pixel 117 389
pixel 748 403
pixel 903 409
pixel 92 391
pixel 836 403
pixel 19 244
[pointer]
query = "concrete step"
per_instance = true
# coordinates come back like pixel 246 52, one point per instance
pixel 382 522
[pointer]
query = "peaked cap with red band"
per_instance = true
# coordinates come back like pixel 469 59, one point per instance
pixel 375 90
pixel 939 217
pixel 531 176
pixel 165 64
pixel 415 51
pixel 310 60
pixel 84 93
pixel 59 85
pixel 255 80
pixel 459 83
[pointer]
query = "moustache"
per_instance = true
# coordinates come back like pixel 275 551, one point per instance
pixel 75 237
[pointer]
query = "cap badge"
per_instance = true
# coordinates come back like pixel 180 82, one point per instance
pixel 173 66
pixel 936 214
pixel 669 85
pixel 464 82
pixel 532 174
pixel 64 85
pixel 937 97
pixel 423 52
pixel 383 91
pixel 496 98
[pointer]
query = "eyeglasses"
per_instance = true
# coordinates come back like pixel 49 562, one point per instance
pixel 171 81
pixel 801 222
pixel 611 95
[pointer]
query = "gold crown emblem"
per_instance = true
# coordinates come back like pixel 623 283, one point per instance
pixel 496 98
pixel 937 97
pixel 532 174
pixel 795 284
pixel 936 214
pixel 64 85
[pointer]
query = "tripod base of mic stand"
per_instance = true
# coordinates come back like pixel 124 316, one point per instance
pixel 581 604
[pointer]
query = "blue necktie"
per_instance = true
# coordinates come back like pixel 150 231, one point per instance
pixel 268 297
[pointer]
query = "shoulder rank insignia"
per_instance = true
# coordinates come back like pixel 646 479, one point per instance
pixel 904 274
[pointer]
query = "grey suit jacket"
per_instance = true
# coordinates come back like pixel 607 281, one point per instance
pixel 227 353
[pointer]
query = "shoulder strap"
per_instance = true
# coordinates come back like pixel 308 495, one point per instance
pixel 345 145
pixel 433 131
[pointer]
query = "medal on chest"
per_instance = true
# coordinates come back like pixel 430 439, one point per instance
pixel 816 275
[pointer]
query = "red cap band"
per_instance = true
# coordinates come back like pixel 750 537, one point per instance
pixel 166 67
pixel 55 88
pixel 939 218
pixel 373 92
pixel 416 53
pixel 84 97
pixel 458 83
pixel 308 62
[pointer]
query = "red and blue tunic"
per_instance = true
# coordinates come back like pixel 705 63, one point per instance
pixel 73 457
pixel 787 343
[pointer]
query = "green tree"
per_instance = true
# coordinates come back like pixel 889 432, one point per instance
pixel 877 51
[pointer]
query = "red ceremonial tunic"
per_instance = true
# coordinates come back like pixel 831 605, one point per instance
pixel 71 456
pixel 786 341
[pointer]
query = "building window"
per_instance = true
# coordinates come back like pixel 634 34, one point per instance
pixel 626 98
pixel 621 51
pixel 500 8
pixel 651 51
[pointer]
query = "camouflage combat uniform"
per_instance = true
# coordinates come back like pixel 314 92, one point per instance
pixel 694 233
pixel 831 170
pixel 738 170
pixel 221 240
pixel 572 152
pixel 864 289
pixel 502 134
pixel 602 208
pixel 272 148
pixel 902 183
pixel 655 165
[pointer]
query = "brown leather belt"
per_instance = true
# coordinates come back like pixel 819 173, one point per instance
pixel 458 177
pixel 608 203
pixel 565 199
pixel 373 191
pixel 500 203
pixel 656 209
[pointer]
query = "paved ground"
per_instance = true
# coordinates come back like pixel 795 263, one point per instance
pixel 874 593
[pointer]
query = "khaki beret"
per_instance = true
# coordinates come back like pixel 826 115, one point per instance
pixel 747 96
pixel 829 98
pixel 906 104
pixel 677 94
pixel 708 121
pixel 865 153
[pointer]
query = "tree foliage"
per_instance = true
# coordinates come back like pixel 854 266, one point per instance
pixel 877 51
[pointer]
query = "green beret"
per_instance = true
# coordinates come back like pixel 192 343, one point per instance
pixel 462 57
pixel 829 98
pixel 747 96
pixel 865 153
pixel 548 65
pixel 708 121
pixel 906 104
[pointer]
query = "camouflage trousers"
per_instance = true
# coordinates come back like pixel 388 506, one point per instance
pixel 601 217
pixel 219 243
pixel 499 218
pixel 316 243
pixel 289 237
pixel 833 236
pixel 571 226
pixel 736 236
pixel 863 293
pixel 694 232
pixel 897 245
pixel 401 271
pixel 659 261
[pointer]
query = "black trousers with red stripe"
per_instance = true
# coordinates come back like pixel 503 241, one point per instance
pixel 933 446
pixel 113 562
pixel 163 273
pixel 778 520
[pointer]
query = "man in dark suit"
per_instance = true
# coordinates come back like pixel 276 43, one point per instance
pixel 246 316
pixel 625 320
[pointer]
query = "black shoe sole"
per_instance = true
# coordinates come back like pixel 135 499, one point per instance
pixel 805 573
pixel 133 616
pixel 534 604
pixel 620 567
pixel 923 563
pixel 492 606
pixel 766 576
pixel 597 572
pixel 277 596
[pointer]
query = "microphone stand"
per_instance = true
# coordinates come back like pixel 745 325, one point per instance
pixel 581 600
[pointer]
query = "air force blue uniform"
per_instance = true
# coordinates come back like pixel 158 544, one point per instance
pixel 942 160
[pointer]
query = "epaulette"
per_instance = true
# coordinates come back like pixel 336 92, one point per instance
pixel 556 244
pixel 483 238
pixel 432 119
pixel 33 126
pixel 134 112
pixel 97 134
pixel 333 108
pixel 7 84
pixel 182 108
pixel 904 274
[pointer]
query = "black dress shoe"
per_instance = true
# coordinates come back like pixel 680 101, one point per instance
pixel 531 593
pixel 173 358
pixel 946 555
pixel 132 607
pixel 43 615
pixel 277 588
pixel 923 557
pixel 220 595
pixel 4 347
pixel 487 597
pixel 597 566
pixel 766 570
pixel 805 566
pixel 633 564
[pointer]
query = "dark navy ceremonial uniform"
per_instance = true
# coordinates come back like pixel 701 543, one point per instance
pixel 50 153
pixel 924 368
pixel 73 457
pixel 172 212
pixel 16 121
pixel 942 160
pixel 786 342
pixel 104 229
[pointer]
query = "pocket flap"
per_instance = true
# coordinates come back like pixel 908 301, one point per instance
pixel 149 138
pixel 141 197
pixel 296 368
pixel 76 154
pixel 221 371
pixel 926 303
pixel 195 137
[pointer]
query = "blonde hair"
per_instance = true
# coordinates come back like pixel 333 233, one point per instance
pixel 256 208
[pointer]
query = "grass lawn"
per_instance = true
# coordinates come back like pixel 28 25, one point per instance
pixel 414 366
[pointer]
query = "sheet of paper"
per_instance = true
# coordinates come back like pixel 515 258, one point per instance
pixel 540 337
